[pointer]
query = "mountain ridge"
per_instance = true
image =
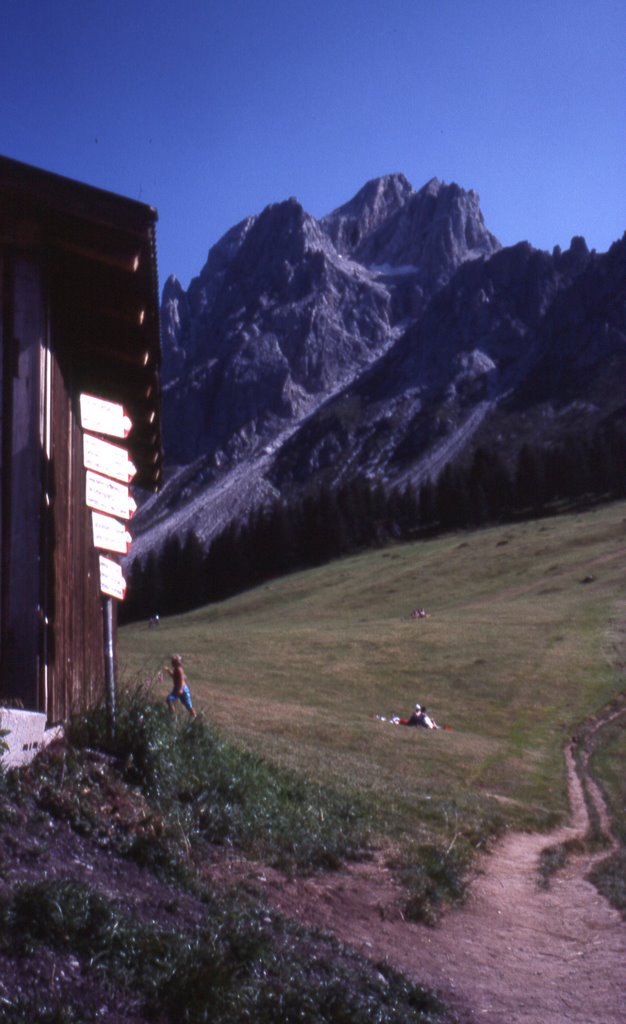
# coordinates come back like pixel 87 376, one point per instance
pixel 379 340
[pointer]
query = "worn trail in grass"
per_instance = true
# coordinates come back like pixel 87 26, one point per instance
pixel 516 951
pixel 524 643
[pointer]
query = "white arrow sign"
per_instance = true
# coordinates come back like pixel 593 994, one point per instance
pixel 104 417
pixel 108 496
pixel 107 458
pixel 109 534
pixel 112 581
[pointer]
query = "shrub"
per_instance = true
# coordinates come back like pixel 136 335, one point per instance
pixel 434 876
pixel 239 966
pixel 208 790
pixel 609 876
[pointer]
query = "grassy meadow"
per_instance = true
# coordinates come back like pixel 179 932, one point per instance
pixel 524 642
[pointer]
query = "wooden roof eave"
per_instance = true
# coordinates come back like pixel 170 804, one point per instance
pixel 101 252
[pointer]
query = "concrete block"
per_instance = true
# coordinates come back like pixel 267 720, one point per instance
pixel 26 735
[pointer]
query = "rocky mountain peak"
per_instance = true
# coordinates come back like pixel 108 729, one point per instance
pixel 172 288
pixel 279 238
pixel 382 340
pixel 356 220
pixel 287 308
pixel 225 250
pixel 434 231
pixel 431 187
pixel 174 317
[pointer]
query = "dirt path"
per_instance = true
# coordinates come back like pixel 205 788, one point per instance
pixel 514 954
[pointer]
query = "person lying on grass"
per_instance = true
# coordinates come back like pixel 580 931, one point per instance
pixel 180 690
pixel 421 717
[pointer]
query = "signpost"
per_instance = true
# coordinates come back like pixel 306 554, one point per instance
pixel 109 534
pixel 104 417
pixel 109 471
pixel 106 495
pixel 106 458
pixel 112 581
pixel 109 662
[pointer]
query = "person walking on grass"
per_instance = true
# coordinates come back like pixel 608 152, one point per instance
pixel 180 690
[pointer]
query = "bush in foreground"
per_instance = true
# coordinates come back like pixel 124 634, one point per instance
pixel 166 793
pixel 208 790
pixel 239 965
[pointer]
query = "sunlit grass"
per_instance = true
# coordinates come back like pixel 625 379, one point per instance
pixel 513 657
pixel 289 765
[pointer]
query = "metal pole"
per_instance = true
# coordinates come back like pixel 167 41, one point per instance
pixel 109 665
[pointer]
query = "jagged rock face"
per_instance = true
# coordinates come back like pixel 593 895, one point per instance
pixel 436 230
pixel 431 232
pixel 287 321
pixel 385 339
pixel 182 313
pixel 287 309
pixel 524 345
pixel 372 206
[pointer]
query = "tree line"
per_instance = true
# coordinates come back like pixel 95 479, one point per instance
pixel 286 536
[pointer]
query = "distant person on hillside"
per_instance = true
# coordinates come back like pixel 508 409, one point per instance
pixel 427 721
pixel 420 717
pixel 180 689
pixel 415 717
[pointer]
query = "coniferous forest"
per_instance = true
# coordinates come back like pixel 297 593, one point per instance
pixel 287 536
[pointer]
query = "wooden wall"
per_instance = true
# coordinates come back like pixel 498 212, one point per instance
pixel 79 311
pixel 23 333
pixel 52 657
pixel 75 630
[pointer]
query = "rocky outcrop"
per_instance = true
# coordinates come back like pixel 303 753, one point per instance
pixel 356 221
pixel 523 346
pixel 436 230
pixel 288 321
pixel 384 339
pixel 288 308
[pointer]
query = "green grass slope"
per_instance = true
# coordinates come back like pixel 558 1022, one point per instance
pixel 523 644
pixel 111 847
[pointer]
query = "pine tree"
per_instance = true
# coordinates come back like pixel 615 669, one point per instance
pixel 530 479
pixel 427 504
pixel 193 584
pixel 170 576
pixel 152 585
pixel 136 605
pixel 452 498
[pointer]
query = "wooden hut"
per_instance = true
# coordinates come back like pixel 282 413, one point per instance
pixel 79 313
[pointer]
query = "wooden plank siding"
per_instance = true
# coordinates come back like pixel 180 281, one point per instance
pixel 52 620
pixel 3 454
pixel 75 665
pixel 21 483
pixel 79 313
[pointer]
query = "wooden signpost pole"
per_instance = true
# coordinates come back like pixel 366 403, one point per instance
pixel 109 664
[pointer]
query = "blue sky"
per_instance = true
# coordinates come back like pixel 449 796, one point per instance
pixel 209 111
